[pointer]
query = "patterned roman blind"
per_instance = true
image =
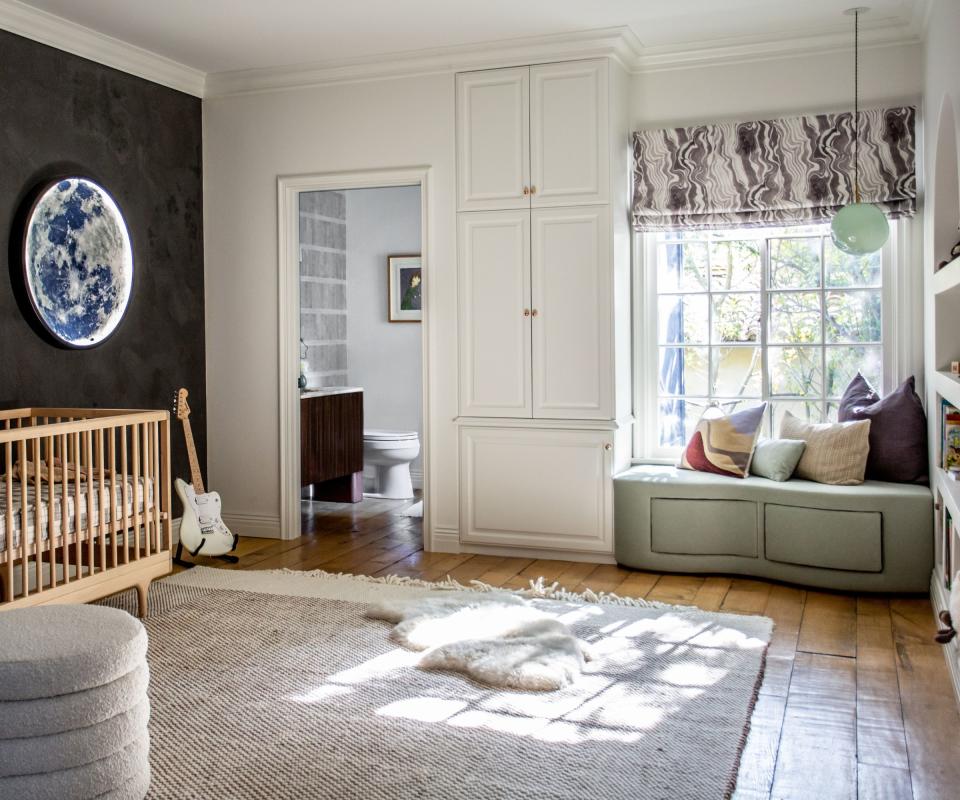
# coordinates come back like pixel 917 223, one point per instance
pixel 775 172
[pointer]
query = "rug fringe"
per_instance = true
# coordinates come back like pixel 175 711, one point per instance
pixel 538 589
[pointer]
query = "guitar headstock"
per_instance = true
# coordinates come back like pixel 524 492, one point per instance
pixel 180 407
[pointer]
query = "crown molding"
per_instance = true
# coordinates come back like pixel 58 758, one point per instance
pixel 884 32
pixel 49 29
pixel 619 43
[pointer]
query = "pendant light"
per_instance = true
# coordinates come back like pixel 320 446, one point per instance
pixel 858 228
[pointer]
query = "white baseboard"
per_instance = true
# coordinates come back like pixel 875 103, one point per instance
pixel 257 526
pixel 445 540
pixel 539 554
pixel 951 651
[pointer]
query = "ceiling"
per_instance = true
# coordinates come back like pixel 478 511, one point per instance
pixel 214 36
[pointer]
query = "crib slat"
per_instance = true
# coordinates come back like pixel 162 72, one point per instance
pixel 64 508
pixel 24 527
pixel 102 500
pixel 135 428
pixel 88 450
pixel 8 521
pixel 114 527
pixel 77 528
pixel 125 498
pixel 147 519
pixel 37 519
pixel 158 536
pixel 51 513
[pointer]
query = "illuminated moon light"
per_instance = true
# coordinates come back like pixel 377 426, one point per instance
pixel 78 262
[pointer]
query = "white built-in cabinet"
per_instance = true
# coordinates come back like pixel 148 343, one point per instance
pixel 531 137
pixel 541 488
pixel 542 249
pixel 535 312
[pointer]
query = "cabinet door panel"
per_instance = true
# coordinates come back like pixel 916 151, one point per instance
pixel 572 329
pixel 494 263
pixel 569 134
pixel 549 489
pixel 493 139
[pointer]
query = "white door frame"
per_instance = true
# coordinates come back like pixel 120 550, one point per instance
pixel 289 188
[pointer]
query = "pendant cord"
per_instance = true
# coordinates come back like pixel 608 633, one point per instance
pixel 856 106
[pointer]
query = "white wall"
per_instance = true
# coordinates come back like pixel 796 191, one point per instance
pixel 384 356
pixel 763 89
pixel 251 139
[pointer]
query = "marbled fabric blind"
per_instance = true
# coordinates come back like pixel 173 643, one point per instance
pixel 786 171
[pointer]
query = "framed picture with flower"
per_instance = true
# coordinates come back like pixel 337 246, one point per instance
pixel 404 289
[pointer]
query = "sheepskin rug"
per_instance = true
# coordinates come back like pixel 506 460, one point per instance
pixel 496 638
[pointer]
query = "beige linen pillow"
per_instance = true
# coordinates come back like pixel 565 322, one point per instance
pixel 836 453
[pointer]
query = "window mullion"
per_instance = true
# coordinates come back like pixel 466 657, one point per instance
pixel 823 330
pixel 764 316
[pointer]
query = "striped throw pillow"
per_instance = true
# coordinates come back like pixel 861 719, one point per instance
pixel 836 453
pixel 724 445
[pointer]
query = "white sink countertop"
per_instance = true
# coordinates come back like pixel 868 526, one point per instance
pixel 328 390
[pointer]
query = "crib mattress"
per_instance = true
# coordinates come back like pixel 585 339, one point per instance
pixel 99 497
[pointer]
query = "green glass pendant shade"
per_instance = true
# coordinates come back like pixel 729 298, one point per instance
pixel 860 228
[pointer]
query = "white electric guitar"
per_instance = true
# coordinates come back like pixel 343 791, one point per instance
pixel 202 531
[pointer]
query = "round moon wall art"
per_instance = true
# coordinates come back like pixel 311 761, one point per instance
pixel 77 261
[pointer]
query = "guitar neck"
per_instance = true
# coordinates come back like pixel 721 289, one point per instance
pixel 195 477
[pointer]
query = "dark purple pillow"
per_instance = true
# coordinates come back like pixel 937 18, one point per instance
pixel 898 430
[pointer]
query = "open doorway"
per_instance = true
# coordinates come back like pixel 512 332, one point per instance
pixel 354 292
pixel 361 292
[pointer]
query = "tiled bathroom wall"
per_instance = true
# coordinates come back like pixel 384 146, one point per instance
pixel 323 287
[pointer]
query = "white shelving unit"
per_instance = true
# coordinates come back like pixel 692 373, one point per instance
pixel 947 277
pixel 944 286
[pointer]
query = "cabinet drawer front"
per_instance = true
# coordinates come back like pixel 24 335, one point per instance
pixel 493 139
pixel 704 527
pixel 494 265
pixel 815 537
pixel 536 488
pixel 569 133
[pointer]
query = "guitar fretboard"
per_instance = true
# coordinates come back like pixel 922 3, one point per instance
pixel 195 477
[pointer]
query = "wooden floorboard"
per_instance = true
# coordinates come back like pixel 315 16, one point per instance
pixel 856 701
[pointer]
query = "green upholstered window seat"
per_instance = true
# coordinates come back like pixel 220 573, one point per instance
pixel 876 537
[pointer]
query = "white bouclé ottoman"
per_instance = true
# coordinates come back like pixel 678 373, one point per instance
pixel 74 710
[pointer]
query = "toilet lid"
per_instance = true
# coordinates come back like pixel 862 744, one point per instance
pixel 375 435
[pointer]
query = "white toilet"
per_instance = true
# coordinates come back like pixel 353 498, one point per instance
pixel 391 453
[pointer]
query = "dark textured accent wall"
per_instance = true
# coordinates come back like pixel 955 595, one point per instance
pixel 62 114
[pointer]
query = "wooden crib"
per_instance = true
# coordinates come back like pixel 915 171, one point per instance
pixel 84 504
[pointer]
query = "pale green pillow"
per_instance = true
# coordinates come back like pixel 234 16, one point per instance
pixel 777 459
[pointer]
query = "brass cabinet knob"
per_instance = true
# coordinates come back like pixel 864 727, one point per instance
pixel 534 313
pixel 533 190
pixel 526 312
pixel 526 191
pixel 608 447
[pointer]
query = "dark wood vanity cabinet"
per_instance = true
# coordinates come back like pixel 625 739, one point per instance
pixel 331 445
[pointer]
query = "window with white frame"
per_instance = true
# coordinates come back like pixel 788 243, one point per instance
pixel 734 318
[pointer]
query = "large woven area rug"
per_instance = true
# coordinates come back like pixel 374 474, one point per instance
pixel 275 685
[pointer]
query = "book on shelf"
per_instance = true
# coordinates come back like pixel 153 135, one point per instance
pixel 949 435
pixel 947 549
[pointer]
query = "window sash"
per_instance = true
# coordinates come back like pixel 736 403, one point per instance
pixel 648 346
